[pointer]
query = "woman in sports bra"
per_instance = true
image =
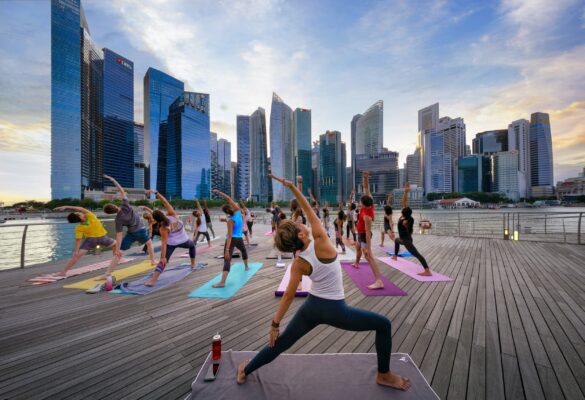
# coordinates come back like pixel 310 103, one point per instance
pixel 317 258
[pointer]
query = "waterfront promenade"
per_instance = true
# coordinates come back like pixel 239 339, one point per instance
pixel 511 325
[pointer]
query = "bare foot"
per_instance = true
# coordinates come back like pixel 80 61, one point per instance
pixel 247 269
pixel 343 252
pixel 356 266
pixel 427 272
pixel 394 257
pixel 393 380
pixel 152 262
pixel 60 273
pixel 376 285
pixel 241 376
pixel 100 278
pixel 381 244
pixel 218 285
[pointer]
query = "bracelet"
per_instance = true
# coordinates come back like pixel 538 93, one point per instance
pixel 275 325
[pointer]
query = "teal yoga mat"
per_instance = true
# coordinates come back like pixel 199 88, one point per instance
pixel 236 279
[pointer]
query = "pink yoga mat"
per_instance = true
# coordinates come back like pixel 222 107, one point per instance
pixel 50 278
pixel 411 269
pixel 200 250
pixel 363 276
pixel 306 282
pixel 269 233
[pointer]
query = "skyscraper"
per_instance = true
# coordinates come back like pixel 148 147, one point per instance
pixel 302 133
pixel 188 160
pixel 370 130
pixel 160 91
pixel 214 161
pixel 118 118
pixel 438 164
pixel 384 173
pixel 541 155
pixel 413 168
pixel 518 139
pixel 506 174
pixel 474 174
pixel 224 165
pixel 138 156
pixel 282 146
pixel 259 180
pixel 490 142
pixel 331 167
pixel 315 188
pixel 354 122
pixel 243 150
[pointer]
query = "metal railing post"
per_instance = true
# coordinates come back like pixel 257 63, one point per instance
pixel 545 224
pixel 579 229
pixel 22 246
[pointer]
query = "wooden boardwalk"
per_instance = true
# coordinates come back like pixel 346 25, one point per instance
pixel 511 325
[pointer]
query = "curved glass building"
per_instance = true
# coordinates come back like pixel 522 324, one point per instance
pixel 282 146
pixel 259 180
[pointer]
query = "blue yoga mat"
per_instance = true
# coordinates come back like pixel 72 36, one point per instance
pixel 400 253
pixel 236 279
pixel 167 278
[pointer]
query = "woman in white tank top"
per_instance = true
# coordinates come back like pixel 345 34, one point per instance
pixel 317 258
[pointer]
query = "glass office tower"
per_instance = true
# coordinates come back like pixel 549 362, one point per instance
pixel 188 160
pixel 384 173
pixel 282 145
pixel 302 132
pixel 331 167
pixel 160 91
pixel 118 118
pixel 243 151
pixel 259 181
pixel 541 155
pixel 139 156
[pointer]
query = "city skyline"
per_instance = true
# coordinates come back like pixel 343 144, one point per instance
pixel 507 65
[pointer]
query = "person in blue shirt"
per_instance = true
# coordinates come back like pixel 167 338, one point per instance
pixel 234 238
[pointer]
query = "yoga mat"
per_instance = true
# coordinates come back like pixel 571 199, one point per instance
pixel 141 253
pixel 411 269
pixel 306 283
pixel 273 255
pixel 50 278
pixel 167 278
pixel 200 250
pixel 120 274
pixel 269 233
pixel 236 279
pixel 310 377
pixel 363 276
pixel 390 251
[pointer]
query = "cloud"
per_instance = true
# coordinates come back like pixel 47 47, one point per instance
pixel 31 138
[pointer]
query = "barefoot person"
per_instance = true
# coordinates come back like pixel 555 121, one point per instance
pixel 127 217
pixel 364 229
pixel 405 229
pixel 351 216
pixel 173 235
pixel 92 229
pixel 325 305
pixel 234 237
pixel 388 228
pixel 339 230
pixel 200 224
pixel 208 222
pixel 153 229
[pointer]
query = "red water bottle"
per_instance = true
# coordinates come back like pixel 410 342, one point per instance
pixel 216 352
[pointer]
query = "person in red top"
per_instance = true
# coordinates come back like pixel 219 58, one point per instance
pixel 364 229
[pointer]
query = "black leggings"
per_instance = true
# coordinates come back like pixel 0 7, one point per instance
pixel 348 230
pixel 210 228
pixel 316 311
pixel 206 234
pixel 239 244
pixel 171 249
pixel 410 247
pixel 250 223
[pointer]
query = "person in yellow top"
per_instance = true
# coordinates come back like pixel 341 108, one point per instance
pixel 90 228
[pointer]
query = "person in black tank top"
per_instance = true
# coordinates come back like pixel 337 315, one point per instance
pixel 388 228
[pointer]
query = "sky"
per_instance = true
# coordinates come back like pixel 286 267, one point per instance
pixel 489 62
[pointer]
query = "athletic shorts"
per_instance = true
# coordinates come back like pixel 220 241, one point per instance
pixel 386 225
pixel 140 236
pixel 92 243
pixel 362 239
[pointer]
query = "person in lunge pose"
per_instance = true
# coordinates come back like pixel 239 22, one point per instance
pixel 364 229
pixel 152 225
pixel 127 217
pixel 208 222
pixel 388 228
pixel 92 229
pixel 200 224
pixel 317 259
pixel 405 229
pixel 351 216
pixel 173 235
pixel 234 237
pixel 339 229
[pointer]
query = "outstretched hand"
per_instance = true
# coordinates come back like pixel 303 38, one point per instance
pixel 286 183
pixel 108 177
pixel 149 191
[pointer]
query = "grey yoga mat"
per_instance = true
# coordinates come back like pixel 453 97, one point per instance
pixel 345 376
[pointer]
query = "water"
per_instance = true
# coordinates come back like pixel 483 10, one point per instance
pixel 53 239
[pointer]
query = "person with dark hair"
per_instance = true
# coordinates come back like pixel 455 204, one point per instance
pixel 248 222
pixel 208 222
pixel 351 216
pixel 314 204
pixel 364 229
pixel 200 224
pixel 94 235
pixel 317 258
pixel 339 230
pixel 234 237
pixel 153 229
pixel 127 217
pixel 325 219
pixel 388 228
pixel 405 229
pixel 173 235
pixel 296 210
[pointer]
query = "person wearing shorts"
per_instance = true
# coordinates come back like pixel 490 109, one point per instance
pixel 127 217
pixel 234 237
pixel 91 230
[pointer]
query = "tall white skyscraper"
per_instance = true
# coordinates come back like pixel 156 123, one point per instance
pixel 243 150
pixel 259 181
pixel 507 179
pixel 282 146
pixel 518 139
pixel 370 130
pixel 413 168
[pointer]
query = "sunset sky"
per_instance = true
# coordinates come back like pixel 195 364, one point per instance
pixel 486 61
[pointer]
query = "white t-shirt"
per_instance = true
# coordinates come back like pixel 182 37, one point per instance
pixel 203 227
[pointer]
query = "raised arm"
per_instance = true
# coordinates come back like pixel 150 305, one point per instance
pixel 405 194
pixel 313 199
pixel 389 198
pixel 199 209
pixel 316 227
pixel 366 183
pixel 300 183
pixel 352 196
pixel 118 186
pixel 79 209
pixel 164 201
pixel 145 208
pixel 227 198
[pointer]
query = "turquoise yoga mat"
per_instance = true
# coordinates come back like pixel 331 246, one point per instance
pixel 236 279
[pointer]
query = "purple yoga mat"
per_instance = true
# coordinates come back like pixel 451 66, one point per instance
pixel 306 282
pixel 363 276
pixel 411 269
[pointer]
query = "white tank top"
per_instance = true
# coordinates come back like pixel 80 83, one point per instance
pixel 326 279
